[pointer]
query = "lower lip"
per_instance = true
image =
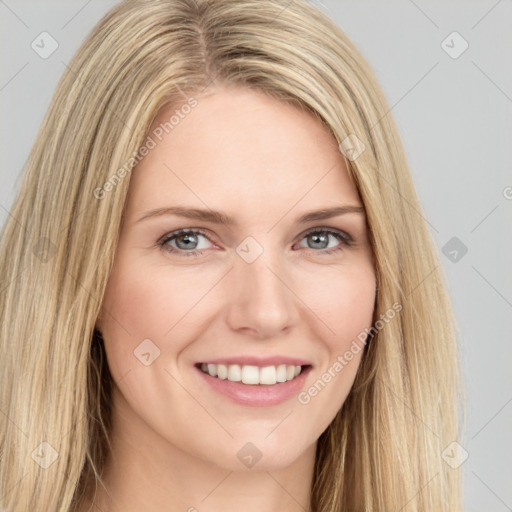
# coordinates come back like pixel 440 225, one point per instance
pixel 258 395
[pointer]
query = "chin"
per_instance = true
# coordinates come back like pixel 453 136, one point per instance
pixel 244 454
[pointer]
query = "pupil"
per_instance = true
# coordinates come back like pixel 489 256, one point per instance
pixel 318 238
pixel 187 238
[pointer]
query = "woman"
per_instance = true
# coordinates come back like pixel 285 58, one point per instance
pixel 259 370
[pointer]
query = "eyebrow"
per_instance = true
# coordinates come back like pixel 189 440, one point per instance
pixel 218 217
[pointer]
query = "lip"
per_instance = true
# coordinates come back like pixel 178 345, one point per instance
pixel 256 395
pixel 259 361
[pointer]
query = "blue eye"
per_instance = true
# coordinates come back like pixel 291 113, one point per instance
pixel 321 236
pixel 188 239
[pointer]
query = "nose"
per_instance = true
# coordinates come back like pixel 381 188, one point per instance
pixel 260 298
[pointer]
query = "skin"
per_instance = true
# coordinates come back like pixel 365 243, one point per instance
pixel 175 440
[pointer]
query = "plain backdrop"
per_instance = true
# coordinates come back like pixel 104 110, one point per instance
pixel 446 68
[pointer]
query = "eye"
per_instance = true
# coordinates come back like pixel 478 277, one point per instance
pixel 186 241
pixel 320 239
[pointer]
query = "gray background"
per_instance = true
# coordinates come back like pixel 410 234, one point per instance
pixel 454 115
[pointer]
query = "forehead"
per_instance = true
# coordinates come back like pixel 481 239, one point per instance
pixel 240 150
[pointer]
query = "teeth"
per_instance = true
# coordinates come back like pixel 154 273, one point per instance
pixel 268 375
pixel 281 373
pixel 222 371
pixel 249 374
pixel 234 373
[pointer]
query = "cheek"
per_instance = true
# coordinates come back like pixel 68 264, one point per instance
pixel 173 307
pixel 350 318
pixel 152 302
pixel 345 307
pixel 163 304
pixel 344 300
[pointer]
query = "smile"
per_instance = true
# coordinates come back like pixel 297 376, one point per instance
pixel 251 374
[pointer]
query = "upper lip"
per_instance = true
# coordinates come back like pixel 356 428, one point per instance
pixel 258 361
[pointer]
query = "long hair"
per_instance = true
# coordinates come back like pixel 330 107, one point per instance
pixel 383 451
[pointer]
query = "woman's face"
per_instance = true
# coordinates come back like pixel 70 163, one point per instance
pixel 266 290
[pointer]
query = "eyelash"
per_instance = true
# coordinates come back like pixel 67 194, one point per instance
pixel 344 238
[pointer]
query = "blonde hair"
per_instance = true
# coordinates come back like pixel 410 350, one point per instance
pixel 383 450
